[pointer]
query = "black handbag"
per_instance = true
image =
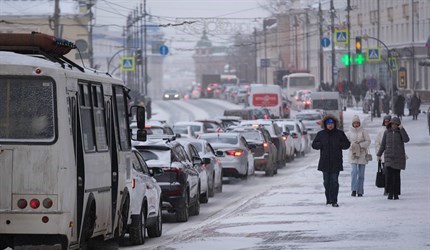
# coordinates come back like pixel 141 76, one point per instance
pixel 380 176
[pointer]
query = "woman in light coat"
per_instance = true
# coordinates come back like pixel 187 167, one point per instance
pixel 360 142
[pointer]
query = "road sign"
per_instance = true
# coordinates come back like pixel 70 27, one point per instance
pixel 264 62
pixel 392 61
pixel 341 36
pixel 164 50
pixel 128 64
pixel 325 42
pixel 373 55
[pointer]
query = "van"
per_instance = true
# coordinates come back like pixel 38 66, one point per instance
pixel 268 96
pixel 330 102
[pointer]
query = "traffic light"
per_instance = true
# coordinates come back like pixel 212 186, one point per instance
pixel 359 59
pixel 358 45
pixel 346 59
pixel 138 57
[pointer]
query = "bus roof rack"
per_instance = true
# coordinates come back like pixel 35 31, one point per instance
pixel 51 47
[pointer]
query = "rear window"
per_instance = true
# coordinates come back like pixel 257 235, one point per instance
pixel 218 139
pixel 308 117
pixel 252 136
pixel 329 104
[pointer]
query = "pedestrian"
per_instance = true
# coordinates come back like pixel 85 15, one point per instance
pixel 378 142
pixel 393 148
pixel 399 106
pixel 376 105
pixel 331 141
pixel 360 142
pixel 415 106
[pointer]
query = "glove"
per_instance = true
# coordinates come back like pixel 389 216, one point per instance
pixel 400 126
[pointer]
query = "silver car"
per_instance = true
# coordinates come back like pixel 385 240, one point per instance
pixel 238 160
pixel 312 120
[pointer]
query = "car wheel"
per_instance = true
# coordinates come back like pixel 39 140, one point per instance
pixel 182 214
pixel 204 198
pixel 269 170
pixel 137 228
pixel 245 176
pixel 212 187
pixel 156 229
pixel 220 183
pixel 195 209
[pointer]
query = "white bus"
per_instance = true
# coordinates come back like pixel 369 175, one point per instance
pixel 294 82
pixel 65 147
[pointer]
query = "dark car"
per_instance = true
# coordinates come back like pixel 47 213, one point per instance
pixel 171 94
pixel 264 151
pixel 180 180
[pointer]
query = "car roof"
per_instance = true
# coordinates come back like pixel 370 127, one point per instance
pixel 188 123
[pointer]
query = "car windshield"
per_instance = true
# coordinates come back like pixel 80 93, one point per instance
pixel 27 109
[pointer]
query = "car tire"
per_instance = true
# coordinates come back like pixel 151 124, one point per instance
pixel 156 229
pixel 204 198
pixel 212 187
pixel 220 185
pixel 182 214
pixel 269 170
pixel 195 209
pixel 137 228
pixel 245 176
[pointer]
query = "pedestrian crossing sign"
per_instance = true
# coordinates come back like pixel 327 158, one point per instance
pixel 392 61
pixel 341 36
pixel 128 64
pixel 373 55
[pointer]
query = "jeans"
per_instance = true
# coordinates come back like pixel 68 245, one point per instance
pixel 331 185
pixel 357 178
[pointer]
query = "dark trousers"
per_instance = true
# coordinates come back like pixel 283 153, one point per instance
pixel 392 180
pixel 331 185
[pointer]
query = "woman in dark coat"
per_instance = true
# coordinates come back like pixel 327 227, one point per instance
pixel 393 148
pixel 331 141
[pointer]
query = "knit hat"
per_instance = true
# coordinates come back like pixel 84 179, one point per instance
pixel 356 118
pixel 387 117
pixel 395 120
pixel 328 121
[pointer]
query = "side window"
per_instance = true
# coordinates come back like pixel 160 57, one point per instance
pixel 169 131
pixel 143 165
pixel 99 118
pixel 87 123
pixel 194 152
pixel 182 153
pixel 122 118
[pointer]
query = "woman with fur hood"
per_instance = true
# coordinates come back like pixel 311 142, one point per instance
pixel 393 148
pixel 330 142
pixel 360 142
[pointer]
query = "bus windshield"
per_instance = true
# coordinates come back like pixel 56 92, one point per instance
pixel 26 109
pixel 329 104
pixel 303 81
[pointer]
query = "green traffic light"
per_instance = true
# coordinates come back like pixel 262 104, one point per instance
pixel 346 60
pixel 359 59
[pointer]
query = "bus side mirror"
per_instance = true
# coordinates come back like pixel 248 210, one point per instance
pixel 139 113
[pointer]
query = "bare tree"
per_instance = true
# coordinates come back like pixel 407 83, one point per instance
pixel 275 6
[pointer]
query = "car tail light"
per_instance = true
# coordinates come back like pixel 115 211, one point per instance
pixel 173 169
pixel 34 203
pixel 266 117
pixel 237 152
pixel 294 136
pixel 22 203
pixel 47 203
pixel 265 145
pixel 148 126
pixel 318 122
pixel 284 138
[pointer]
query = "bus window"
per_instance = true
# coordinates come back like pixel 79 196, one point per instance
pixel 27 109
pixel 122 118
pixel 87 126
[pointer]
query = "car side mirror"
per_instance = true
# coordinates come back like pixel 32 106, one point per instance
pixel 305 132
pixel 197 160
pixel 286 133
pixel 219 153
pixel 177 135
pixel 156 171
pixel 206 160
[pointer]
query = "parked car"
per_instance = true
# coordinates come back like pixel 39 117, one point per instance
pixel 171 94
pixel 180 180
pixel 312 119
pixel 203 176
pixel 237 160
pixel 296 133
pixel 212 165
pixel 189 129
pixel 276 135
pixel 144 193
pixel 262 148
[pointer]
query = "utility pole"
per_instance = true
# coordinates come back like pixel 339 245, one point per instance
pixel 296 25
pixel 57 18
pixel 90 35
pixel 144 48
pixel 265 51
pixel 348 20
pixel 333 52
pixel 321 52
pixel 255 53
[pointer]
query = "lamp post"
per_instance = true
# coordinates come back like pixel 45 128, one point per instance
pixel 333 52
